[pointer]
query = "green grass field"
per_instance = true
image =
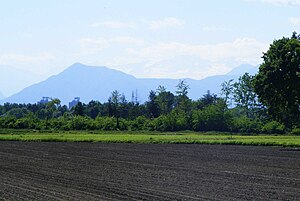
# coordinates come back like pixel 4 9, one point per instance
pixel 150 137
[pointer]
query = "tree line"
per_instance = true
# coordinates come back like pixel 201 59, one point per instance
pixel 268 102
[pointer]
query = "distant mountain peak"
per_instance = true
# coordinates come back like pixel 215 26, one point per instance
pixel 244 68
pixel 96 69
pixel 78 65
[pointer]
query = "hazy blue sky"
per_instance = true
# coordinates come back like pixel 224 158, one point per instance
pixel 158 38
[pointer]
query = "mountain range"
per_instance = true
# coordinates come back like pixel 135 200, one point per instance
pixel 97 83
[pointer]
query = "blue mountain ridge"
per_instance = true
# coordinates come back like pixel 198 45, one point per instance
pixel 97 83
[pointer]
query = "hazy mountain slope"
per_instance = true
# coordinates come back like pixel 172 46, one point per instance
pixel 241 69
pixel 97 83
pixel 1 96
pixel 13 80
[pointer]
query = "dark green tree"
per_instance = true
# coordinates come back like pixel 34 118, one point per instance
pixel 278 80
pixel 183 102
pixel 18 112
pixel 165 100
pixel 206 100
pixel 124 107
pixel 93 109
pixel 211 118
pixel 51 107
pixel 79 109
pixel 152 105
pixel 115 100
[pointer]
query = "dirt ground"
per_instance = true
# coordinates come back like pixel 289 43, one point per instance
pixel 96 171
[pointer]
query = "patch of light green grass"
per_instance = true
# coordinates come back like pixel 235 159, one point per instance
pixel 152 137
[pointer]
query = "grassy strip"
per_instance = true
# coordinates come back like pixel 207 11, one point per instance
pixel 152 137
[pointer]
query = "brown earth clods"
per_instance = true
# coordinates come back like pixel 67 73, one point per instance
pixel 96 171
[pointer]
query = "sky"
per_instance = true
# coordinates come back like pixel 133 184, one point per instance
pixel 157 38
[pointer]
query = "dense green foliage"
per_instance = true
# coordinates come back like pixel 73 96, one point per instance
pixel 164 111
pixel 278 81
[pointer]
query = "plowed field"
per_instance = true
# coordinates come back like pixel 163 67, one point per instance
pixel 96 171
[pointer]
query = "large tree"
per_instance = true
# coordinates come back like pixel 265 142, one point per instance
pixel 115 100
pixel 278 81
pixel 152 105
pixel 226 91
pixel 51 107
pixel 244 95
pixel 183 101
pixel 79 109
pixel 165 99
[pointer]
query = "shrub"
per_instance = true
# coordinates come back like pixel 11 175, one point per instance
pixel 295 131
pixel 82 123
pixel 164 123
pixel 140 123
pixel 246 125
pixel 273 127
pixel 211 118
pixel 25 123
pixel 60 123
pixel 173 121
pixel 106 123
pixel 8 121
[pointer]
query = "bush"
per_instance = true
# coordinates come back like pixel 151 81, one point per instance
pixel 82 123
pixel 60 123
pixel 174 121
pixel 25 123
pixel 8 121
pixel 106 123
pixel 164 123
pixel 246 125
pixel 295 131
pixel 140 123
pixel 273 127
pixel 211 118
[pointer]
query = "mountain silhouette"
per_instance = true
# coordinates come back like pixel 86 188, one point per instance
pixel 97 83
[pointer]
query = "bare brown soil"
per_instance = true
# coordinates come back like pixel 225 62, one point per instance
pixel 96 171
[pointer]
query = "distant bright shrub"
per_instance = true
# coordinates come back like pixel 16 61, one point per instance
pixel 273 127
pixel 246 125
pixel 295 131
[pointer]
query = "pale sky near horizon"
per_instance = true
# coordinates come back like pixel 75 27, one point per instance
pixel 157 38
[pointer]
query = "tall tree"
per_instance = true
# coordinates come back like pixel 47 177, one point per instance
pixel 51 107
pixel 207 100
pixel 183 101
pixel 226 91
pixel 93 109
pixel 165 100
pixel 182 88
pixel 115 100
pixel 244 94
pixel 152 105
pixel 278 80
pixel 79 109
